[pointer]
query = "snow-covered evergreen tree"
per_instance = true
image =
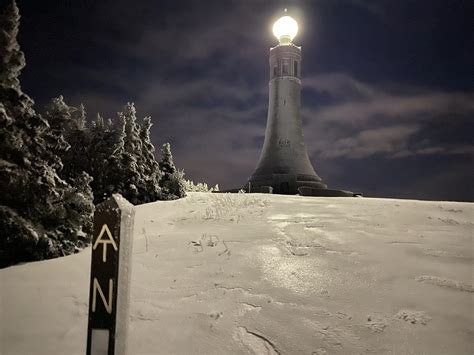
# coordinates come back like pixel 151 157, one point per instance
pixel 76 158
pixel 58 115
pixel 80 209
pixel 151 190
pixel 12 59
pixel 95 149
pixel 172 181
pixel 132 169
pixel 68 140
pixel 51 165
pixel 33 212
pixel 118 155
pixel 105 152
pixel 24 175
pixel 166 164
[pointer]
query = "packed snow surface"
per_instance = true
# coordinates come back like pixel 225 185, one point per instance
pixel 267 274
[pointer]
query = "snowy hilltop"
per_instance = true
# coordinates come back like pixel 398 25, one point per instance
pixel 267 274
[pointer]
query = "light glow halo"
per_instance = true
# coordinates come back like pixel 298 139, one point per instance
pixel 285 29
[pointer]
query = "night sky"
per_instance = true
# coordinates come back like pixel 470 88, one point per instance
pixel 388 86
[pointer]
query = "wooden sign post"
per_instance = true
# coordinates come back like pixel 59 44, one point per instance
pixel 109 294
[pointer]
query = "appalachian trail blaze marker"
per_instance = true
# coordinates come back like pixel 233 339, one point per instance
pixel 109 294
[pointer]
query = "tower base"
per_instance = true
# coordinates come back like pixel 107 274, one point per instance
pixel 285 182
pixel 308 191
pixel 302 191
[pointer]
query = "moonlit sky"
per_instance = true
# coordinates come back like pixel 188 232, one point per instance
pixel 388 89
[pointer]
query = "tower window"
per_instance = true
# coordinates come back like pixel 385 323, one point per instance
pixel 295 68
pixel 275 70
pixel 285 67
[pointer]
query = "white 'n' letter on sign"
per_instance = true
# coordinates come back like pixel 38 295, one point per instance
pixel 107 303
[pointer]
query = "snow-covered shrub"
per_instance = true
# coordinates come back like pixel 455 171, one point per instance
pixel 175 184
pixel 21 240
pixel 233 207
pixel 190 186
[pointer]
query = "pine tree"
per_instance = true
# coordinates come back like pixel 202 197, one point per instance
pixel 176 184
pixel 105 164
pixel 58 115
pixel 132 170
pixel 68 140
pixel 12 59
pixel 119 156
pixel 172 181
pixel 32 196
pixel 79 209
pixel 166 164
pixel 150 169
pixel 76 158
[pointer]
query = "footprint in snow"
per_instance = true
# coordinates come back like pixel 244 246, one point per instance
pixel 413 317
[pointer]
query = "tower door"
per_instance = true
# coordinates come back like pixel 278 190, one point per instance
pixel 284 184
pixel 285 188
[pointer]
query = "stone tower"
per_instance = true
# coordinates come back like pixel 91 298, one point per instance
pixel 284 163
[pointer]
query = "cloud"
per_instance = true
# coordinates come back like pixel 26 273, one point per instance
pixel 423 106
pixel 199 92
pixel 341 86
pixel 358 102
pixel 449 149
pixel 199 33
pixel 366 119
pixel 214 145
pixel 375 7
pixel 371 141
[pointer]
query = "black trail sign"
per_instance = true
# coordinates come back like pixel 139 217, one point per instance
pixel 109 294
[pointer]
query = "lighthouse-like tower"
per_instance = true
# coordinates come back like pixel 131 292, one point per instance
pixel 284 163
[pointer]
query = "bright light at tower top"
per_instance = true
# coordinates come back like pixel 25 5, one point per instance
pixel 285 29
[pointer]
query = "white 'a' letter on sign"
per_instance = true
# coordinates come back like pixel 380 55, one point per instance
pixel 105 241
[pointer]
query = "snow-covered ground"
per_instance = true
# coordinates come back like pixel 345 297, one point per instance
pixel 268 274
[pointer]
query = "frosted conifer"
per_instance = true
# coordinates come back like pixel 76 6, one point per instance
pixel 172 181
pixel 58 115
pixel 12 59
pixel 33 212
pixel 132 170
pixel 105 152
pixel 76 158
pixel 166 164
pixel 150 168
